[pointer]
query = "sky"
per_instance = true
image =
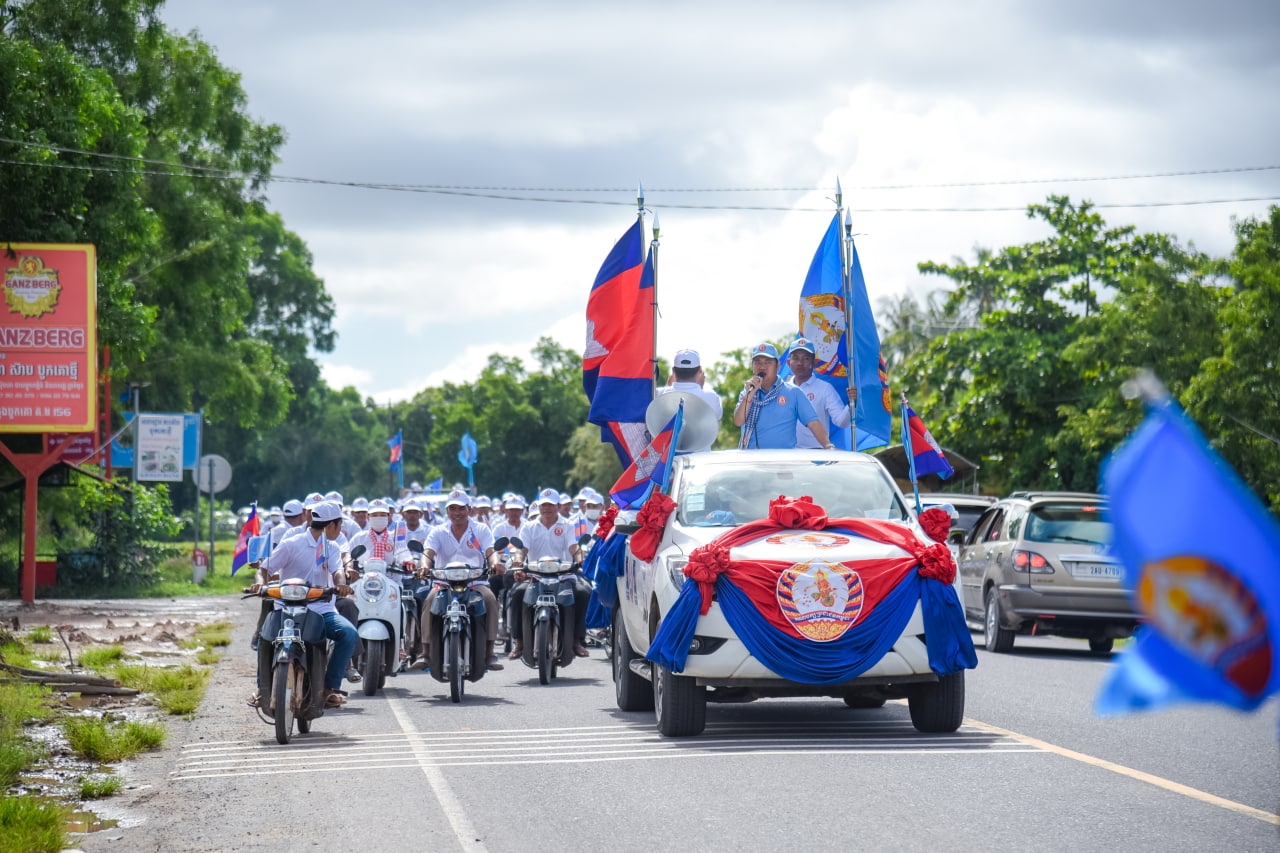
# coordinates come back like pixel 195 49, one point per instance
pixel 717 108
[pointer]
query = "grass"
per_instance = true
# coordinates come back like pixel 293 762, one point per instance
pixel 40 634
pixel 210 636
pixel 207 657
pixel 31 825
pixel 178 690
pixel 98 787
pixel 20 703
pixel 98 739
pixel 173 578
pixel 100 658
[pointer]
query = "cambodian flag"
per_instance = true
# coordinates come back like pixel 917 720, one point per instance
pixel 1200 553
pixel 241 555
pixel 617 363
pixel 923 451
pixel 396 443
pixel 651 467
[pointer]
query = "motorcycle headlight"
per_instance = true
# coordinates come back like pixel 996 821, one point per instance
pixel 372 588
pixel 294 591
pixel 454 574
pixel 675 566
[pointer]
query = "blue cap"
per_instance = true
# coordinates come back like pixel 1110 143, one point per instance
pixel 765 348
pixel 803 345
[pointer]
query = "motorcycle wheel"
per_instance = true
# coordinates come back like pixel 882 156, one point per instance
pixel 542 648
pixel 453 662
pixel 283 699
pixel 557 646
pixel 372 675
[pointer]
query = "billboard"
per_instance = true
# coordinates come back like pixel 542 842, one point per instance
pixel 48 337
pixel 159 445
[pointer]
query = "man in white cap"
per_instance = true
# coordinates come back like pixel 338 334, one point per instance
pixel 821 394
pixel 549 535
pixel 462 539
pixel 292 516
pixel 309 503
pixel 318 563
pixel 359 515
pixel 687 376
pixel 481 508
pixel 769 408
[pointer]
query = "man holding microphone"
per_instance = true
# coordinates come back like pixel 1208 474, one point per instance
pixel 769 409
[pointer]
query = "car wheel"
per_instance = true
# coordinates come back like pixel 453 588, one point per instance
pixel 680 703
pixel 632 692
pixel 864 701
pixel 938 707
pixel 1101 645
pixel 998 639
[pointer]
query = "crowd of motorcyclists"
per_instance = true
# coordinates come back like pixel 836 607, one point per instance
pixel 326 542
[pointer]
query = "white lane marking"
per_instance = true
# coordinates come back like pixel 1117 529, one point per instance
pixel 449 804
pixel 1149 778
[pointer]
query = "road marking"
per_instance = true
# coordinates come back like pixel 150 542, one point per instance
pixel 411 748
pixel 449 804
pixel 1150 779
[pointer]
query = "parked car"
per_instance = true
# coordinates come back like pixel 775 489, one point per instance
pixel 1037 563
pixel 716 491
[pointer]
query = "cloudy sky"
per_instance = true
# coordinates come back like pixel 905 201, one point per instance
pixel 717 107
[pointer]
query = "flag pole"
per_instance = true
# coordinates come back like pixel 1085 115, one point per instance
pixel 911 459
pixel 653 300
pixel 846 286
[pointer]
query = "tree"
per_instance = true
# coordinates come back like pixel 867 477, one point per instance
pixel 1234 395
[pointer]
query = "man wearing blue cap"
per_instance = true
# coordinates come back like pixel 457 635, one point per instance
pixel 820 393
pixel 769 409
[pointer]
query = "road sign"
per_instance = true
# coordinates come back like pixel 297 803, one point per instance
pixel 213 470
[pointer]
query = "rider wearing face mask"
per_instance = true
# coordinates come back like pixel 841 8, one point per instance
pixel 379 539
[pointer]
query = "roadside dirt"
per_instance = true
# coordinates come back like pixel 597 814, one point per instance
pixel 152 632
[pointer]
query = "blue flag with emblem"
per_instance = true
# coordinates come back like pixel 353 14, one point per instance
pixel 1200 555
pixel 468 452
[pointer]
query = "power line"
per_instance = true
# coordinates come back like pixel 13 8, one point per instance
pixel 505 194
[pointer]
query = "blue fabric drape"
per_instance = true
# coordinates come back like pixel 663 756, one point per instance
pixel 603 566
pixel 947 637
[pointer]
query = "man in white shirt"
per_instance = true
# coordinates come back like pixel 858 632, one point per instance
pixel 687 376
pixel 319 563
pixel 548 535
pixel 463 539
pixel 822 395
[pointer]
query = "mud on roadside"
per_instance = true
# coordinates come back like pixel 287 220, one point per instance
pixel 152 632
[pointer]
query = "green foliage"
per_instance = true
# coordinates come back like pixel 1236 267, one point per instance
pixel 98 658
pixel 126 526
pixel 100 739
pixel 98 787
pixel 31 825
pixel 20 704
pixel 40 634
pixel 178 690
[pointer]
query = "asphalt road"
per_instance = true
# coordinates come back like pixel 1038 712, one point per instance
pixel 520 766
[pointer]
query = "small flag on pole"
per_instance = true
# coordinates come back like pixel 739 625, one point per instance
pixel 250 529
pixel 924 454
pixel 651 468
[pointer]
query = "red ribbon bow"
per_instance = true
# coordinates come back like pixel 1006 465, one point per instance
pixel 605 525
pixel 707 563
pixel 797 513
pixel 652 518
pixel 936 522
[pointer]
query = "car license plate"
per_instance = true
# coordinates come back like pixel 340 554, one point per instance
pixel 1095 571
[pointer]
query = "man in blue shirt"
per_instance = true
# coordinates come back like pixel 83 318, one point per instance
pixel 769 408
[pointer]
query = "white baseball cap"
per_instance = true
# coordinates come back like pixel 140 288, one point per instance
pixel 687 358
pixel 326 511
pixel 547 496
pixel 457 498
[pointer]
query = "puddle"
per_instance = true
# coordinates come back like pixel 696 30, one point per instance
pixel 86 822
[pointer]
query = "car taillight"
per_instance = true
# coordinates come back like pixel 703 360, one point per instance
pixel 1030 561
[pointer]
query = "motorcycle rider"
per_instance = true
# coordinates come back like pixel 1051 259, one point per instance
pixel 314 557
pixel 462 539
pixel 548 535
pixel 360 517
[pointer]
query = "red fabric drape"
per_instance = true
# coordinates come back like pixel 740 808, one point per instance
pixel 759 578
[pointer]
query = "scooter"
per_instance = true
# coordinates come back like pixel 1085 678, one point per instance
pixel 548 617
pixel 293 685
pixel 381 620
pixel 457 628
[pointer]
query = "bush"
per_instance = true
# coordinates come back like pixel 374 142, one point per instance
pixel 126 528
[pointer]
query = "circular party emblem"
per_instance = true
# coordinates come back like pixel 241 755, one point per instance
pixel 821 600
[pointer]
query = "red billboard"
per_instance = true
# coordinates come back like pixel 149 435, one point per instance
pixel 48 337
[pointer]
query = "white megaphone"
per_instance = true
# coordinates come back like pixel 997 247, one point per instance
pixel 700 427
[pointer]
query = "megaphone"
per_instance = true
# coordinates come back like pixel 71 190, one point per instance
pixel 700 426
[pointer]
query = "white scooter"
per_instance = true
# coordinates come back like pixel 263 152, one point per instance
pixel 381 620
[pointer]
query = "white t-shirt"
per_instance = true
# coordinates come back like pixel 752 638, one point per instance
pixel 826 405
pixel 553 541
pixel 469 548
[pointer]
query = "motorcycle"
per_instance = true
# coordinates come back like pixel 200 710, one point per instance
pixel 457 628
pixel 381 621
pixel 548 617
pixel 293 685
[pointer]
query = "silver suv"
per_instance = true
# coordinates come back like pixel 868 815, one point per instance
pixel 1037 563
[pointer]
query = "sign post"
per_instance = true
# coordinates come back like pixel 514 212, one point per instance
pixel 48 361
pixel 212 475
